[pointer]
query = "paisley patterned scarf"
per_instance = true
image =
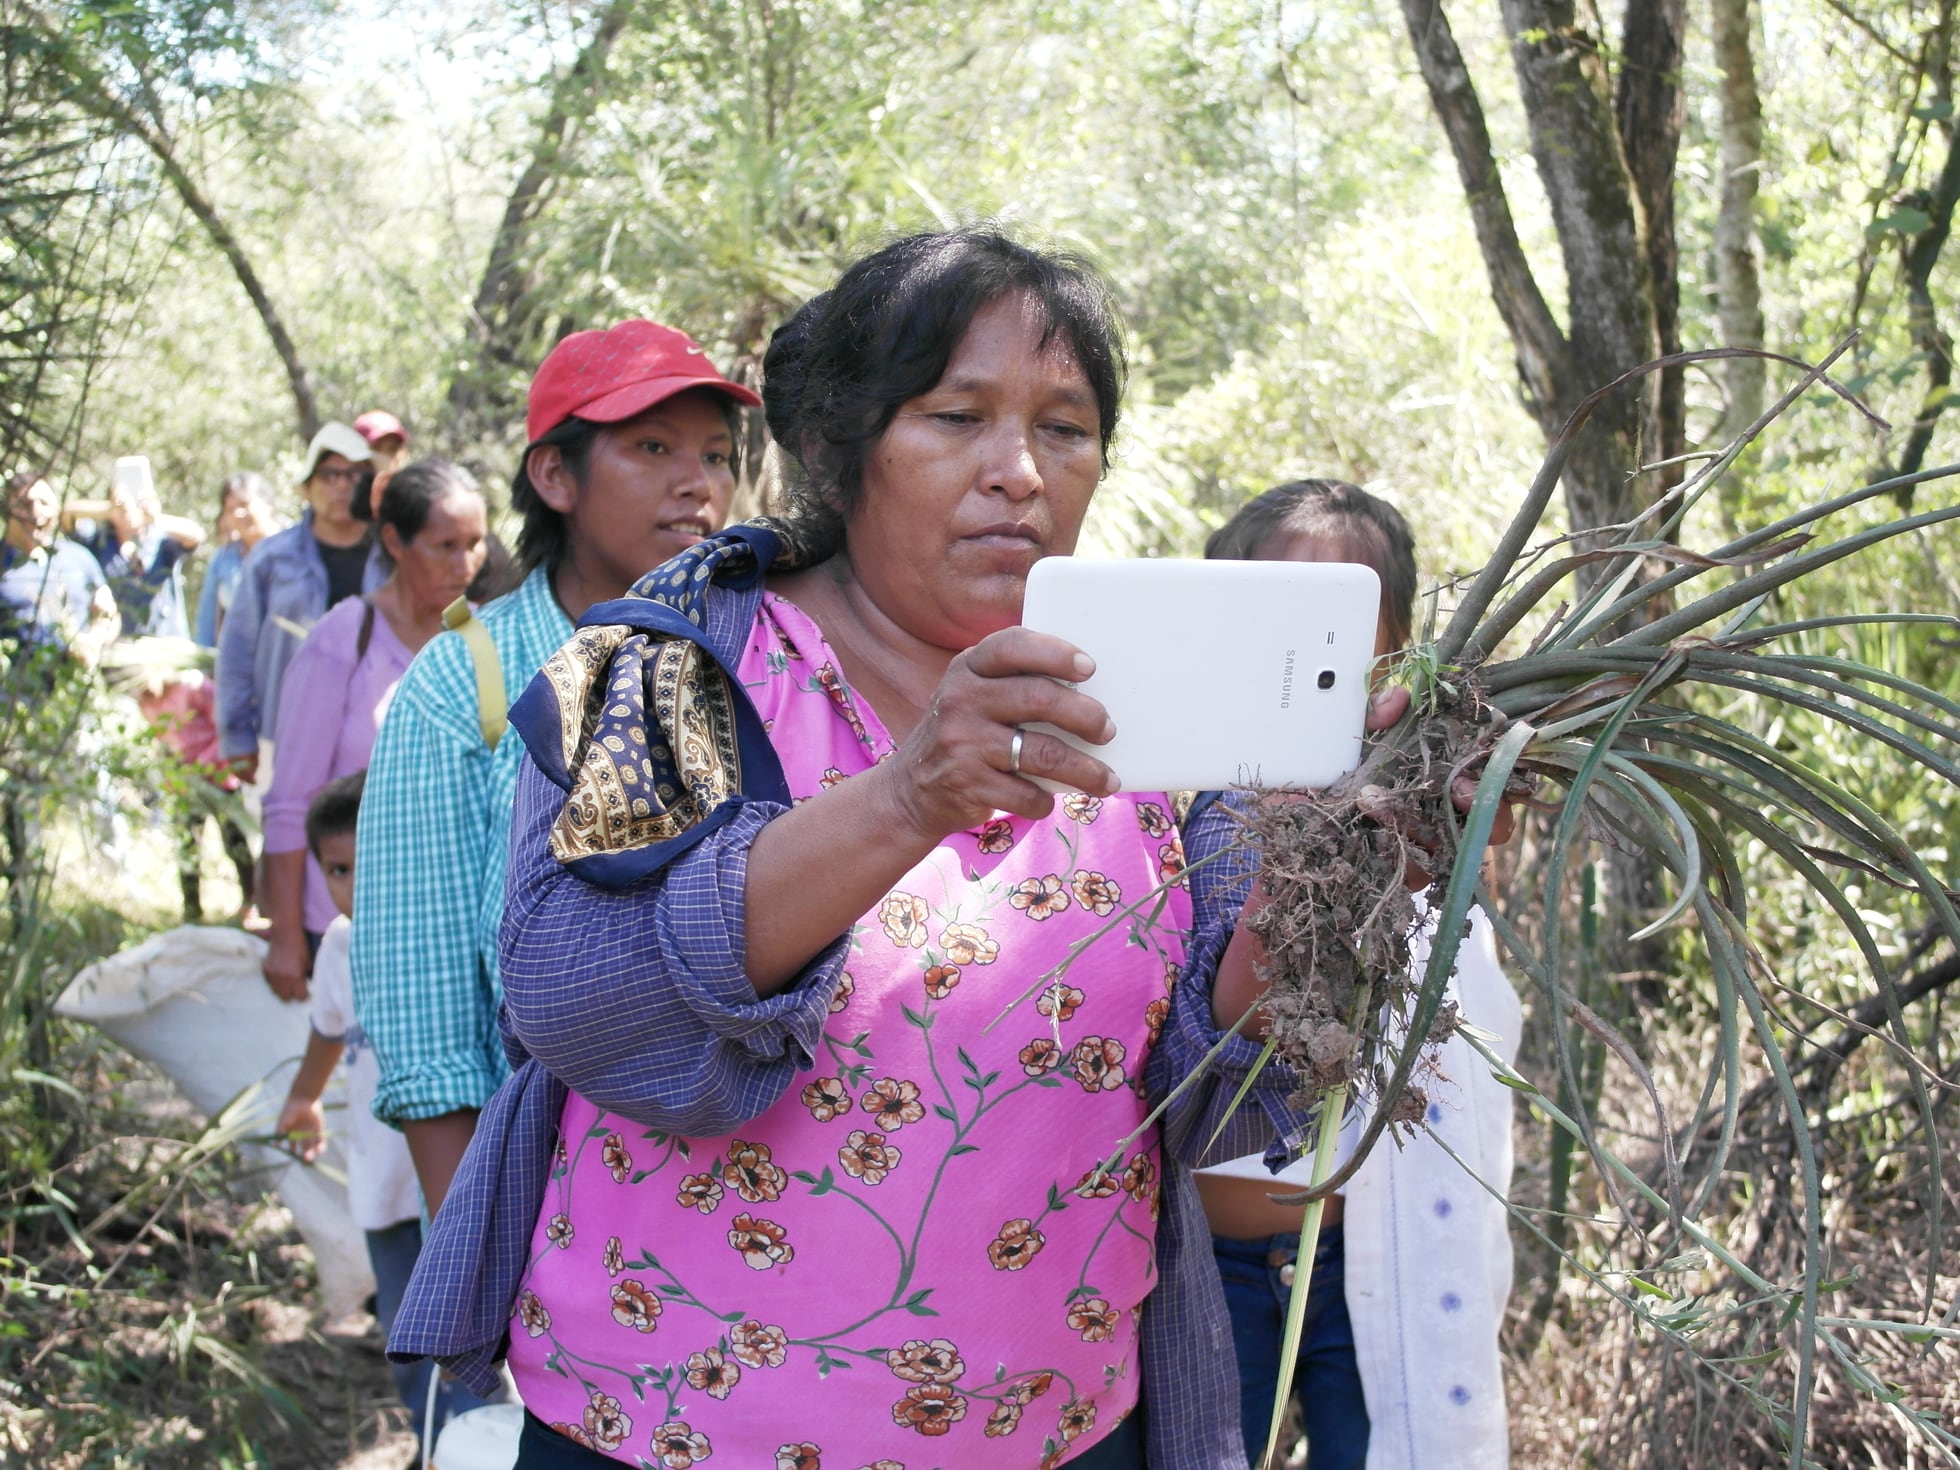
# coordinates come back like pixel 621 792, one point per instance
pixel 640 722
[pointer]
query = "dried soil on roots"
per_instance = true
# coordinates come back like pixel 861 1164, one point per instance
pixel 1339 915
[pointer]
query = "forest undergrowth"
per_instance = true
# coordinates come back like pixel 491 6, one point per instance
pixel 156 1304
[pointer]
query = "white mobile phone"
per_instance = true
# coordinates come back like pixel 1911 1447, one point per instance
pixel 1218 673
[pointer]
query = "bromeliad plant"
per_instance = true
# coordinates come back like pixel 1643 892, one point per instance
pixel 1603 721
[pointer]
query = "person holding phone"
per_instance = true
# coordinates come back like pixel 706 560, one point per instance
pixel 1399 1362
pixel 828 1020
pixel 141 550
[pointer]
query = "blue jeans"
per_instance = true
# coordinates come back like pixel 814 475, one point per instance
pixel 392 1253
pixel 1326 1379
pixel 543 1448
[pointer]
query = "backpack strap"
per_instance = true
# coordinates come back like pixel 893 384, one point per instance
pixel 366 634
pixel 492 707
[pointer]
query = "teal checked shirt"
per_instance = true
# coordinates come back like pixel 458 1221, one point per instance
pixel 430 856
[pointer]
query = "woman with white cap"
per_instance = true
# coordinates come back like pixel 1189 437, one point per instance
pixel 290 580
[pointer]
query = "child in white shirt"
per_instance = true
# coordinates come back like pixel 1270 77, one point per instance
pixel 381 1190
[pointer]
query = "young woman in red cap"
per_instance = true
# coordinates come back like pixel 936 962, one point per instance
pixel 628 464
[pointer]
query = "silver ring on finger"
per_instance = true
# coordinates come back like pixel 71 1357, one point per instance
pixel 1014 751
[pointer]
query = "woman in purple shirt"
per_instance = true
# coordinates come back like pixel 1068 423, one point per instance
pixel 433 528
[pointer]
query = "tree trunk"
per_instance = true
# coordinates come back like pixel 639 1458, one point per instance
pixel 1738 284
pixel 482 393
pixel 1543 366
pixel 95 95
pixel 1575 141
pixel 1922 253
pixel 1650 109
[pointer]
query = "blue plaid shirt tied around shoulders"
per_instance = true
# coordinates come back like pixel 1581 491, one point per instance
pixel 622 970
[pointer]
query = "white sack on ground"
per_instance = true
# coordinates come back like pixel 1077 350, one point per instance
pixel 192 1001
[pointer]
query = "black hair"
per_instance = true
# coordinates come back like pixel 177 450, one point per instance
pixel 837 372
pixel 1369 529
pixel 21 482
pixel 335 809
pixel 249 483
pixel 546 535
pixel 413 490
pixel 498 574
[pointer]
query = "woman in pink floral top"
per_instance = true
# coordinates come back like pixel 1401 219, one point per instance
pixel 826 1017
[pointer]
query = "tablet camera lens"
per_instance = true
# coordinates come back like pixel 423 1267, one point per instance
pixel 1326 679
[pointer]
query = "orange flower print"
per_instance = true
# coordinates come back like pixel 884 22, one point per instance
pixel 1098 1063
pixel 867 1156
pixel 930 1408
pixel 559 1231
pixel 1095 892
pixel 920 1361
pixel 614 1258
pixel 755 1178
pixel 827 1099
pixel 714 1375
pixel 1077 806
pixel 904 916
pixel 575 1433
pixel 1026 1393
pixel 533 1314
pixel 1171 972
pixel 606 1424
pixel 798 1457
pixel 1138 1177
pixel 968 944
pixel 883 1465
pixel 699 1192
pixel 1154 1016
pixel 997 836
pixel 895 1102
pixel 560 1160
pixel 1003 1419
pixel 763 1243
pixel 1078 1418
pixel 613 1154
pixel 1040 898
pixel 1040 1056
pixel 1095 1319
pixel 831 776
pixel 1017 1244
pixel 941 979
pixel 1170 862
pixel 1059 1001
pixel 677 1446
pixel 755 1346
pixel 1095 1184
pixel 634 1306
pixel 1155 821
pixel 846 988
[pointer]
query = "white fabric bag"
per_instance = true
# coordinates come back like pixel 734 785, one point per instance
pixel 193 1002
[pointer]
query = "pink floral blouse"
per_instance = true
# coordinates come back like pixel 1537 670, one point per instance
pixel 913 1260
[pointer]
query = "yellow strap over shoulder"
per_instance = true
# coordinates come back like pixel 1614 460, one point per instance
pixel 492 708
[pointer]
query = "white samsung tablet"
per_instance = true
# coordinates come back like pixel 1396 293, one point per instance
pixel 1218 673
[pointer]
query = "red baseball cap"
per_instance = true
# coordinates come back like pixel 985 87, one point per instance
pixel 609 376
pixel 377 424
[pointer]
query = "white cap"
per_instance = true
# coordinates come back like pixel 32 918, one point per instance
pixel 336 439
